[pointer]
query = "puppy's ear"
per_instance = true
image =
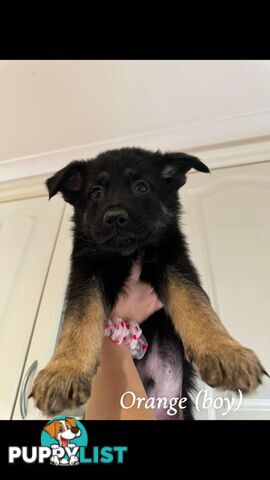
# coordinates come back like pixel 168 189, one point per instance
pixel 50 429
pixel 71 421
pixel 68 181
pixel 176 165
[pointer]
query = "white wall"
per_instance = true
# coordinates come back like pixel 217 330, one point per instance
pixel 52 105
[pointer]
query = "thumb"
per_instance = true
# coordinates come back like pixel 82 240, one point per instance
pixel 159 305
pixel 135 272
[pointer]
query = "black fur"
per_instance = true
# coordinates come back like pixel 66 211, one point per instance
pixel 140 222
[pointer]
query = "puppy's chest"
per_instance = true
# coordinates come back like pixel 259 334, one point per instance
pixel 114 275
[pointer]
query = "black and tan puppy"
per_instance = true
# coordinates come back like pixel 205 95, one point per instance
pixel 126 205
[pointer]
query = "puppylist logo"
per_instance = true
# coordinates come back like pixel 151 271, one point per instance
pixel 63 442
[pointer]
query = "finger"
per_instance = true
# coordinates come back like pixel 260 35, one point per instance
pixel 135 272
pixel 159 305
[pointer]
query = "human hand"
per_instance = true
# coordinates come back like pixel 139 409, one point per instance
pixel 138 300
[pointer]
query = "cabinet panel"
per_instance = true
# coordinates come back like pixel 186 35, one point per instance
pixel 28 231
pixel 228 227
pixel 50 313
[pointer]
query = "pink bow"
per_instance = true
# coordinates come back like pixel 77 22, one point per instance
pixel 128 332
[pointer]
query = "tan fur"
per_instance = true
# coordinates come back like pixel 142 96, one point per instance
pixel 66 380
pixel 222 361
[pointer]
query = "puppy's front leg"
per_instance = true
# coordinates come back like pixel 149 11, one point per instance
pixel 222 361
pixel 65 382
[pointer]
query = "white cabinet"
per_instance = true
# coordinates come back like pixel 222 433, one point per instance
pixel 227 222
pixel 50 313
pixel 28 232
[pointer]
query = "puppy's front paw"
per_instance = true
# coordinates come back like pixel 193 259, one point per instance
pixel 61 386
pixel 229 366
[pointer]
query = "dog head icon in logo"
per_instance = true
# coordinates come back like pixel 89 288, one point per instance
pixel 65 436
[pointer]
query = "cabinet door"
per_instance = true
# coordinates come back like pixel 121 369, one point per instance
pixel 227 223
pixel 49 317
pixel 28 231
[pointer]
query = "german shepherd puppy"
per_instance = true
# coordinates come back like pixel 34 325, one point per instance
pixel 126 205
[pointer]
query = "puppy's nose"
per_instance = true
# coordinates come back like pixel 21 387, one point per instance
pixel 75 430
pixel 115 218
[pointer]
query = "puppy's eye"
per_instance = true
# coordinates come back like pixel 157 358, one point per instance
pixel 141 186
pixel 97 192
pixel 61 429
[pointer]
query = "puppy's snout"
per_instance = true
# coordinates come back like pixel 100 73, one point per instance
pixel 115 218
pixel 75 430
